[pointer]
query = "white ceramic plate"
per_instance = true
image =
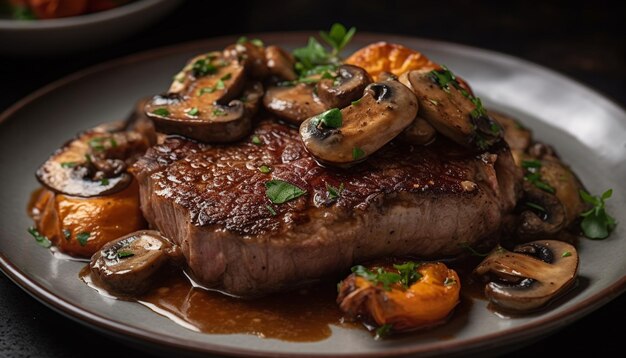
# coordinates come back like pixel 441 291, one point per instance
pixel 588 130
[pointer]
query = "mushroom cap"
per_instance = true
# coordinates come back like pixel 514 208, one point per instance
pixel 345 88
pixel 129 264
pixel 531 276
pixel 449 111
pixel 384 111
pixel 293 103
pixel 203 101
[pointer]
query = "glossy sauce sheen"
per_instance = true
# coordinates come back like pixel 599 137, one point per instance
pixel 299 316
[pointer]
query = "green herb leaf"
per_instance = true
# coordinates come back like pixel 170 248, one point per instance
pixel 124 254
pixel 473 251
pixel 383 331
pixel 163 112
pixel 329 119
pixel 381 276
pixel 206 90
pixel 536 206
pixel 566 254
pixel 22 12
pixel 280 191
pixel 219 112
pixel 310 56
pixel 334 193
pixel 226 77
pixel 203 67
pixel 255 42
pixel 443 78
pixel 219 85
pixel 357 153
pixel 193 111
pixel 597 223
pixel 104 181
pixel 97 143
pixel 531 164
pixel 40 239
pixel 338 37
pixel 408 273
pixel 83 237
pixel 271 210
pixel 265 169
pixel 256 140
pixel 354 103
pixel 449 281
pixel 68 164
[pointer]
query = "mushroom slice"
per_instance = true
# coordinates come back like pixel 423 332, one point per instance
pixel 252 56
pixel 566 186
pixel 531 276
pixel 542 213
pixel 517 136
pixel 345 88
pixel 452 110
pixel 280 63
pixel 293 103
pixel 201 103
pixel 384 111
pixel 94 163
pixel 128 265
pixel 419 132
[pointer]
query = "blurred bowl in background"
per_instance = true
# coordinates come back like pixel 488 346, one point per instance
pixel 70 34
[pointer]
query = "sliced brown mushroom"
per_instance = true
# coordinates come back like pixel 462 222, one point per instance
pixel 542 214
pixel 517 136
pixel 384 111
pixel 94 163
pixel 293 103
pixel 531 276
pixel 205 107
pixel 419 132
pixel 251 56
pixel 280 63
pixel 452 112
pixel 349 84
pixel 129 264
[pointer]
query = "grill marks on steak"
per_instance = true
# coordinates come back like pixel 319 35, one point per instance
pixel 403 201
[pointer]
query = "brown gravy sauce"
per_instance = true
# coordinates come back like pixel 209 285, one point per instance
pixel 304 315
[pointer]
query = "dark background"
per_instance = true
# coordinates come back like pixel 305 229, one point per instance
pixel 584 41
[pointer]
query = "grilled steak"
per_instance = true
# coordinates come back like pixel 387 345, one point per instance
pixel 421 201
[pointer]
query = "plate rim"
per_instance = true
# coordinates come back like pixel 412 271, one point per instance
pixel 121 330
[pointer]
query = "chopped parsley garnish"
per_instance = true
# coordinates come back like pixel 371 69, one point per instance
pixel 219 85
pixel 449 281
pixel 206 90
pixel 203 67
pixel 444 78
pixel 255 42
pixel 193 111
pixel 97 143
pixel 383 331
pixel 256 140
pixel 380 276
pixel 265 169
pixel 566 254
pixel 536 207
pixel 408 273
pixel 333 192
pixel 161 112
pixel 534 177
pixel 271 210
pixel 67 234
pixel 68 164
pixel 104 181
pixel 124 254
pixel 357 153
pixel 473 251
pixel 226 77
pixel 21 12
pixel 597 223
pixel 40 239
pixel 83 237
pixel 329 119
pixel 280 191
pixel 354 103
pixel 219 112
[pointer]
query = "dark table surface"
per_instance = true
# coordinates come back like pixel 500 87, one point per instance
pixel 582 41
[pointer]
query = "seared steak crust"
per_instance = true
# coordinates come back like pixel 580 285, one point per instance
pixel 424 201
